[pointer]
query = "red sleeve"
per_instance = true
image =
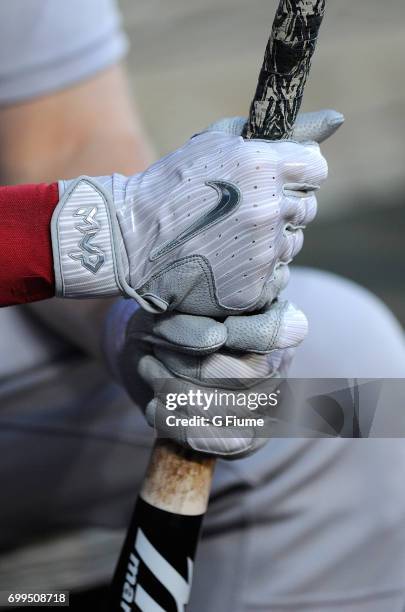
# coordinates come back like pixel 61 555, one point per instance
pixel 26 262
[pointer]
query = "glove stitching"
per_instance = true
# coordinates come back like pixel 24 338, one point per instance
pixel 198 259
pixel 276 330
pixel 179 263
pixel 178 348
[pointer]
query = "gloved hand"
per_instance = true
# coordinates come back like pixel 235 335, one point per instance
pixel 207 230
pixel 192 351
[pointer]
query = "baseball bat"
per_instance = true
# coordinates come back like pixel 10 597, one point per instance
pixel 155 567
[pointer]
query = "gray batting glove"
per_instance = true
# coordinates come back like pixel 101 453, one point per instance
pixel 206 230
pixel 192 353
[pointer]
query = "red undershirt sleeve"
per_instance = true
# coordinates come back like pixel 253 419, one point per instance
pixel 26 262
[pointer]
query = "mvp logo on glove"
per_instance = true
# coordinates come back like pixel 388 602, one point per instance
pixel 229 199
pixel 90 255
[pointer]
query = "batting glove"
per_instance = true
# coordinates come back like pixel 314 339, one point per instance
pixel 205 230
pixel 144 351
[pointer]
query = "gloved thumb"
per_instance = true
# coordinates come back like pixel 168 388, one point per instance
pixel 316 126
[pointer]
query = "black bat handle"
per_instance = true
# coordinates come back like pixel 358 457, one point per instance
pixel 155 567
pixel 285 69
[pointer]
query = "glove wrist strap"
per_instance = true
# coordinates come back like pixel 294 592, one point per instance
pixel 85 242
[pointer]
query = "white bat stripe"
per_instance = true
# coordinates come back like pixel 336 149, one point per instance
pixel 163 571
pixel 145 602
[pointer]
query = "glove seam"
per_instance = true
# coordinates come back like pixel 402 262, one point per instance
pixel 198 259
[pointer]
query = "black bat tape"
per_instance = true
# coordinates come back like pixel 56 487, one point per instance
pixel 156 564
pixel 286 66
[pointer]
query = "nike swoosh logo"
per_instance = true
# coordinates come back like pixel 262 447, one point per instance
pixel 229 198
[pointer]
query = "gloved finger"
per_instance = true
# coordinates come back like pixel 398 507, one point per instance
pixel 190 333
pixel 234 371
pixel 221 445
pixel 229 125
pixel 182 332
pixel 317 126
pixel 228 448
pixel 299 209
pixel 309 173
pixel 150 411
pixel 153 372
pixel 294 207
pixel 281 326
pixel 294 241
pixel 216 441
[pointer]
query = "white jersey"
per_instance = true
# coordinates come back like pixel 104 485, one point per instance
pixel 46 45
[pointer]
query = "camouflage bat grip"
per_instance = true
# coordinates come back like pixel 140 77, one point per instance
pixel 285 69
